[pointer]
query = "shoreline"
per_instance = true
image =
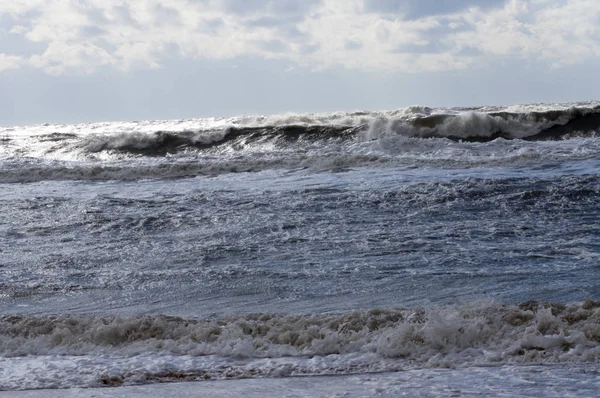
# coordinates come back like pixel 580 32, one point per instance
pixel 502 381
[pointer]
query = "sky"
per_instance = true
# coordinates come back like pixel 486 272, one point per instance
pixel 68 61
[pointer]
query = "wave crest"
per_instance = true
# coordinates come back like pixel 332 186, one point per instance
pixel 162 142
pixel 469 126
pixel 481 126
pixel 476 333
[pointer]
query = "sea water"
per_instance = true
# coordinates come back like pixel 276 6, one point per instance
pixel 418 241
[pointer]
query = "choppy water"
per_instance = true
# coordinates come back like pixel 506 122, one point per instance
pixel 340 243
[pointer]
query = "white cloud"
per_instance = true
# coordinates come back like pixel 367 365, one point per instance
pixel 563 33
pixel 9 62
pixel 17 30
pixel 80 57
pixel 81 36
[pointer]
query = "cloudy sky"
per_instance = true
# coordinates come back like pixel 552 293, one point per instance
pixel 92 60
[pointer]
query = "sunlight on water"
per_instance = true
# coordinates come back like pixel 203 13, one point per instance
pixel 336 244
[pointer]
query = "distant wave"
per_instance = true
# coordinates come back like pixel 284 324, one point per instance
pixel 417 135
pixel 162 142
pixel 469 126
pixel 467 335
pixel 473 126
pixel 160 138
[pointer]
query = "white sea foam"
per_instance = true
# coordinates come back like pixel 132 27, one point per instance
pixel 150 347
pixel 388 151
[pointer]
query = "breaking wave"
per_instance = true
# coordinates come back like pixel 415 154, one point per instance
pixel 456 124
pixel 197 147
pixel 87 351
pixel 475 126
pixel 469 126
pixel 358 341
pixel 162 142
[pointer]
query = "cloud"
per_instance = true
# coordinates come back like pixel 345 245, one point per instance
pixel 562 33
pixel 82 57
pixel 277 7
pixel 75 36
pixel 9 62
pixel 353 45
pixel 415 9
pixel 275 46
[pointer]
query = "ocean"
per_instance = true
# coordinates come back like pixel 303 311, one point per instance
pixel 412 252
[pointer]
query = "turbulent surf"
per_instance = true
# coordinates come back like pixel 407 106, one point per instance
pixel 133 150
pixel 262 345
pixel 300 245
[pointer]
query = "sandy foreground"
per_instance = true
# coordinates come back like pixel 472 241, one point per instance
pixel 531 381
